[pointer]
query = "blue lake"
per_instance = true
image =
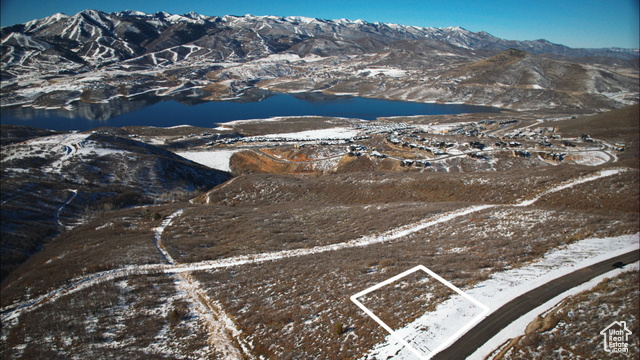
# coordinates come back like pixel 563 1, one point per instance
pixel 154 111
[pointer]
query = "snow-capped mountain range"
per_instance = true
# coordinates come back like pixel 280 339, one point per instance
pixel 95 38
pixel 96 57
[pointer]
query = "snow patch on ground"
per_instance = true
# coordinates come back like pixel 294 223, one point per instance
pixel 157 238
pixel 222 330
pixel 327 134
pixel 590 158
pixel 439 128
pixel 280 58
pixel 372 72
pixel 215 159
pixel 74 192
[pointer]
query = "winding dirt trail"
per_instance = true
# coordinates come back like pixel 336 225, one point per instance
pixel 223 334
pixel 69 200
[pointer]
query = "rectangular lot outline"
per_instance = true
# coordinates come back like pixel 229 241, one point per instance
pixel 461 331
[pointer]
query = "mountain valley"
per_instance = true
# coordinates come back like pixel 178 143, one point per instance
pixel 248 239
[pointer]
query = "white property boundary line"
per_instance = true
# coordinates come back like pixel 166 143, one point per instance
pixel 477 318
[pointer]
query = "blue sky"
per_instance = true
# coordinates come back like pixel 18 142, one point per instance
pixel 584 23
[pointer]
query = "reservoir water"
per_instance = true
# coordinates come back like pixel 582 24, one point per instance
pixel 190 110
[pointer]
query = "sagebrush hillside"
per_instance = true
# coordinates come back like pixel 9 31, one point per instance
pixel 51 182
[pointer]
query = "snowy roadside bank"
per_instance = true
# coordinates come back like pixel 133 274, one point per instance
pixel 518 327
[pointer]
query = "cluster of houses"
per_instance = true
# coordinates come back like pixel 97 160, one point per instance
pixel 359 150
pixel 478 129
pixel 521 153
pixel 416 163
pixel 557 157
pixel 435 147
pixel 264 139
pixel 507 145
pixel 225 141
pixel 538 132
pixel 478 156
pixel 356 150
pixel 382 128
pixel 406 136
pixel 469 129
pixel 530 134
pixel 476 145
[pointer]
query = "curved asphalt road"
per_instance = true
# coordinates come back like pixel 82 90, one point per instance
pixel 499 319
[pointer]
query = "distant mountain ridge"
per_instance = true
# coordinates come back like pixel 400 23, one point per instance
pixel 94 57
pixel 94 38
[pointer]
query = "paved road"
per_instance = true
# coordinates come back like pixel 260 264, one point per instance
pixel 499 319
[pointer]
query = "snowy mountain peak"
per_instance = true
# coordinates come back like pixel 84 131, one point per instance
pixel 47 20
pixel 37 24
pixel 181 18
pixel 91 13
pixel 227 18
pixel 130 13
pixel 303 19
pixel 161 14
pixel 99 18
pixel 195 15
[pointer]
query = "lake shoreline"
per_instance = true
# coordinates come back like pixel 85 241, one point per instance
pixel 158 111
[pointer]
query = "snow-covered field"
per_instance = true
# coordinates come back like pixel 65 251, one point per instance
pixel 322 134
pixel 501 288
pixel 590 158
pixel 215 159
